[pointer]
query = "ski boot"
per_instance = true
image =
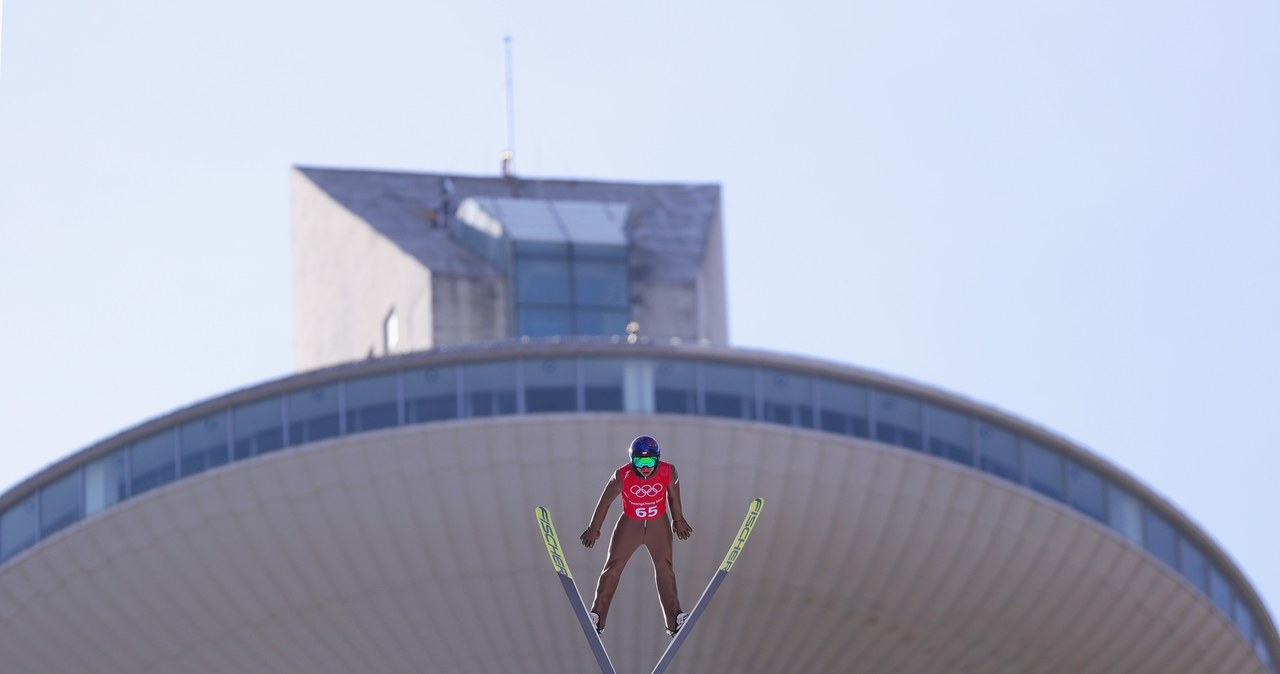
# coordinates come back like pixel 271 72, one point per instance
pixel 681 618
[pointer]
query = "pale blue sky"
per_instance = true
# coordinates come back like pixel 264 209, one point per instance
pixel 1067 210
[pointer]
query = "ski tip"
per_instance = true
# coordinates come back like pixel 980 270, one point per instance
pixel 748 524
pixel 552 541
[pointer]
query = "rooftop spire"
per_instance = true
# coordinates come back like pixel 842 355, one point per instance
pixel 508 155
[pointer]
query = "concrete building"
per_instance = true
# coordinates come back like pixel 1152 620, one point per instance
pixel 377 515
pixel 389 263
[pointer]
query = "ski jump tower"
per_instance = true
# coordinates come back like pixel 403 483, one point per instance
pixel 469 348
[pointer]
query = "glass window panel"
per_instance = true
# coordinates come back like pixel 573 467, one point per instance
pixel 897 419
pixel 541 249
pixel 152 462
pixel 1124 513
pixel 18 528
pixel 615 254
pixel 788 397
pixel 489 388
pixel 104 482
pixel 1044 470
pixel 949 434
pixel 372 403
pixel 390 332
pixel 998 451
pixel 1260 648
pixel 258 428
pixel 60 504
pixel 203 444
pixel 528 222
pixel 731 391
pixel 844 408
pixel 1240 614
pixel 600 321
pixel 605 383
pixel 600 283
pixel 675 387
pixel 430 394
pixel 1087 491
pixel 313 414
pixel 1162 540
pixel 542 280
pixel 550 385
pixel 1192 564
pixel 1220 590
pixel 592 224
pixel 543 322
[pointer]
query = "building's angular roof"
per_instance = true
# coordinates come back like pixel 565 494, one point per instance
pixel 668 226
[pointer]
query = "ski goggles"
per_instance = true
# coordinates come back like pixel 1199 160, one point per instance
pixel 644 462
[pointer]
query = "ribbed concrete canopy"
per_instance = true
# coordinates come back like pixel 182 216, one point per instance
pixel 415 550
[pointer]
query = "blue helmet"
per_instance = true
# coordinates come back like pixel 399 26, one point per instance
pixel 645 446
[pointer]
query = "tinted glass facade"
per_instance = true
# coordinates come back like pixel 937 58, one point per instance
pixel 293 415
pixel 998 451
pixel 204 444
pixel 897 419
pixel 570 289
pixel 843 408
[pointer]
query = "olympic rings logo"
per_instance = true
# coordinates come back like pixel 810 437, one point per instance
pixel 645 490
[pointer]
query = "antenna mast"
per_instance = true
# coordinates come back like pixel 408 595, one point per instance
pixel 508 155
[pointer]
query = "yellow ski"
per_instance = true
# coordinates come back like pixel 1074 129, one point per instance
pixel 552 541
pixel 735 550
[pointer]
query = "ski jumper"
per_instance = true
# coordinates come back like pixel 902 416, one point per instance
pixel 644 522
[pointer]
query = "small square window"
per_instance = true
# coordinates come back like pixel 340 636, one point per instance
pixel 390 332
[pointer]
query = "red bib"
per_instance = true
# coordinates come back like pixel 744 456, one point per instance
pixel 645 499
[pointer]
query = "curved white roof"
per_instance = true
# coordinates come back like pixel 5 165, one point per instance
pixel 414 549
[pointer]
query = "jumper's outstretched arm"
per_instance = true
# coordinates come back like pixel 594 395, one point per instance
pixel 612 489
